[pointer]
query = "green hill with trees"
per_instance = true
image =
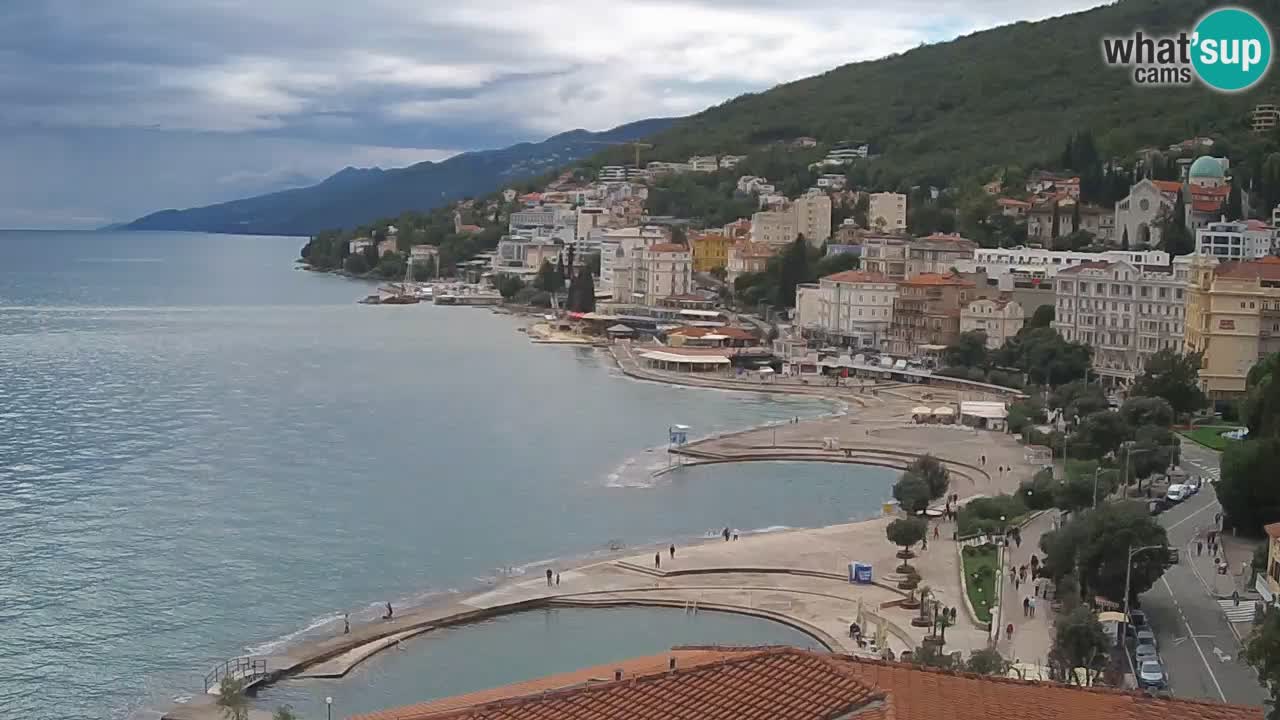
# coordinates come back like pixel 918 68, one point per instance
pixel 945 112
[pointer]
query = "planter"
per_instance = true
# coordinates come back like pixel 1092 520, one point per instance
pixel 910 603
pixel 905 554
pixel 932 640
pixel 906 569
pixel 918 621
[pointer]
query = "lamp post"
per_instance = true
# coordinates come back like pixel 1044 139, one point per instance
pixel 1128 572
pixel 1096 472
pixel 328 703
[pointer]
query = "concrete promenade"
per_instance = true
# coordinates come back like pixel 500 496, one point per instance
pixel 799 577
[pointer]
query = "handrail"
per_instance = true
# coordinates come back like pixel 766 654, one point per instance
pixel 245 668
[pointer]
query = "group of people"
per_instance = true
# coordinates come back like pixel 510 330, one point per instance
pixel 1001 469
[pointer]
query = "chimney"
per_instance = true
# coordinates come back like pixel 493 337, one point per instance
pixel 671 663
pixel 617 674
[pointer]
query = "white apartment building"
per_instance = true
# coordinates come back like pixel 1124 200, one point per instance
pixel 776 227
pixel 1124 312
pixel 832 181
pixel 1236 240
pixel 888 212
pixel 618 248
pixel 852 308
pixel 885 255
pixel 999 318
pixel 813 217
pixel 661 271
pixel 845 153
pixel 1022 264
pixel 704 163
pixel 612 173
pixel 588 219
pixel 728 162
pixel 546 223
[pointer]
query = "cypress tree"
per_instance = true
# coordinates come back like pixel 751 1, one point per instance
pixel 1057 222
pixel 1124 240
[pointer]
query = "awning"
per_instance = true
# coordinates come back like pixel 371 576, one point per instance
pixel 660 356
pixel 983 409
pixel 944 410
pixel 765 369
pixel 620 328
pixel 922 410
pixel 713 336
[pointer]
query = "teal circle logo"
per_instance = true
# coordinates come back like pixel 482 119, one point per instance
pixel 1231 49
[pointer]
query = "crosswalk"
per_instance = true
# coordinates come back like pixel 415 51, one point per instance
pixel 1237 613
pixel 1213 473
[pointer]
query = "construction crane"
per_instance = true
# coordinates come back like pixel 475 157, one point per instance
pixel 633 143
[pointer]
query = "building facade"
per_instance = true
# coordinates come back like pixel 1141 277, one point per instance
pixel 887 212
pixel 852 308
pixel 999 318
pixel 1138 214
pixel 661 271
pixel 1233 319
pixel 1034 267
pixel 938 253
pixel 927 312
pixel 1238 240
pixel 617 249
pixel 885 255
pixel 1125 312
pixel 813 217
pixel 710 251
pixel 748 257
pixel 774 227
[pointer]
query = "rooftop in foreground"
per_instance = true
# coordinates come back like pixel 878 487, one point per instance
pixel 779 683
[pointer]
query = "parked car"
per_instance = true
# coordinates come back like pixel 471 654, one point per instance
pixel 1146 637
pixel 1151 675
pixel 1144 652
pixel 1138 620
pixel 1194 485
pixel 1158 505
pixel 1176 493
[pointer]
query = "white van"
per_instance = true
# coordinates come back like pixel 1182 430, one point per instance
pixel 1176 493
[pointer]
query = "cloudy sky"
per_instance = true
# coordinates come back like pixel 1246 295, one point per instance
pixel 113 108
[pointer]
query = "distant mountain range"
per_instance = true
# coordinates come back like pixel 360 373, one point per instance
pixel 355 196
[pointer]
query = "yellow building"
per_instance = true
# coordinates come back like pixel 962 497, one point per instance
pixel 1233 318
pixel 710 251
pixel 1268 583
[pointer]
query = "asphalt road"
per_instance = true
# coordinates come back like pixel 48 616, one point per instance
pixel 1198 646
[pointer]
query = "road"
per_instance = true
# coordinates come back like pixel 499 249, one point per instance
pixel 1198 645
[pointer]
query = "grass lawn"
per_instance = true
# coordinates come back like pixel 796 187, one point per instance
pixel 980 578
pixel 1211 436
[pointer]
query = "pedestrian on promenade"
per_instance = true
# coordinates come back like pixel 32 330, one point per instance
pixel 1026 606
pixel 389 614
pixel 1035 564
pixel 1032 606
pixel 657 560
pixel 548 577
pixel 557 579
pixel 1013 574
pixel 346 623
pixel 1199 548
pixel 726 534
pixel 1017 582
pixel 1008 631
pixel 936 530
pixel 924 543
pixel 735 535
pixel 982 459
pixel 673 550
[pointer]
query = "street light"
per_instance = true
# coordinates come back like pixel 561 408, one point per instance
pixel 1128 571
pixel 328 703
pixel 1096 472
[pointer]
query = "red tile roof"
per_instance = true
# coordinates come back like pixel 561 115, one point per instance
pixel 856 276
pixel 1168 186
pixel 1268 268
pixel 1012 202
pixel 792 684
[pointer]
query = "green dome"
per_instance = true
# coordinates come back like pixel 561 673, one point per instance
pixel 1206 167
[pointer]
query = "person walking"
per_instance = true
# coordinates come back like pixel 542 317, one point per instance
pixel 557 579
pixel 1031 606
pixel 657 560
pixel 673 550
pixel 1199 548
pixel 936 531
pixel 1026 606
pixel 548 577
pixel 346 623
pixel 1008 631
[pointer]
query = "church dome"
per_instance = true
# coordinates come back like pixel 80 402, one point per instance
pixel 1206 167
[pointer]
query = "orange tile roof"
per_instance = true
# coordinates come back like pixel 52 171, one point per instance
pixel 791 684
pixel 854 276
pixel 1012 202
pixel 1268 268
pixel 1273 530
pixel 1168 186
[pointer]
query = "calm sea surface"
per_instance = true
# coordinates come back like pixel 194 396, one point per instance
pixel 204 452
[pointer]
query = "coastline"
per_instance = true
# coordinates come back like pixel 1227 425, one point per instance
pixel 292 657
